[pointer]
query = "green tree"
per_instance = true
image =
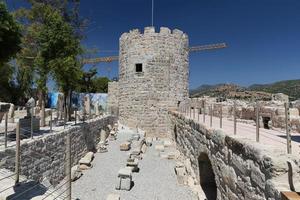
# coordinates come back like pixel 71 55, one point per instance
pixel 100 84
pixel 51 46
pixel 59 50
pixel 10 40
pixel 10 35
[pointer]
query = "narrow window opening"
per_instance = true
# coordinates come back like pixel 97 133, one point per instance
pixel 139 67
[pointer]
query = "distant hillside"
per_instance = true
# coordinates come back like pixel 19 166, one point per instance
pixel 260 91
pixel 289 87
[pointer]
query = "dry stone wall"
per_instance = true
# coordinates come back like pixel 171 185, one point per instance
pixel 44 157
pixel 145 96
pixel 242 171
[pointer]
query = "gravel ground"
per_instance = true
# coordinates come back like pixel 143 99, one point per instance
pixel 156 179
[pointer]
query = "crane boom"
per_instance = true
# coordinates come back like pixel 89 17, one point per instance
pixel 191 49
pixel 207 47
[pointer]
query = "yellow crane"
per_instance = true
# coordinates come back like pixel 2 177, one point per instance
pixel 191 49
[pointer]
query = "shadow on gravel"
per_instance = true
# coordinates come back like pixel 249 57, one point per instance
pixel 295 138
pixel 28 190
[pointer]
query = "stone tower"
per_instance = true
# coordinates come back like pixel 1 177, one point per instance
pixel 153 77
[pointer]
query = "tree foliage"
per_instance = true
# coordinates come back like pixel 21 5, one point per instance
pixel 10 35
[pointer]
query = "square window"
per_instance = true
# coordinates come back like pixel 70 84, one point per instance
pixel 139 67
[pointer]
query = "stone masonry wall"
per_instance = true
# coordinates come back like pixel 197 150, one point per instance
pixel 45 156
pixel 242 170
pixel 145 97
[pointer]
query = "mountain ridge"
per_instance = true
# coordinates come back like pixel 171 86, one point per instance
pixel 264 91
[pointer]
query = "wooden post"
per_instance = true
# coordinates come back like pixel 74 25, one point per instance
pixel 194 110
pixel 65 116
pixel 211 114
pixel 51 116
pixel 198 113
pixel 5 133
pixel 234 117
pixel 190 109
pixel 18 152
pixel 75 116
pixel 204 111
pixel 221 115
pixel 68 166
pixel 287 126
pixel 31 122
pixel 257 121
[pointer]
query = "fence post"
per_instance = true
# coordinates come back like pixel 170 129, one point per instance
pixel 51 120
pixel 221 115
pixel 194 110
pixel 75 116
pixel 31 122
pixel 211 114
pixel 17 161
pixel 257 121
pixel 190 109
pixel 65 116
pixel 5 133
pixel 68 166
pixel 234 117
pixel 198 113
pixel 287 126
pixel 204 111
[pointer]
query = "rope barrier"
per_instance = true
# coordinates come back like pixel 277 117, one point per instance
pixel 7 176
pixel 61 193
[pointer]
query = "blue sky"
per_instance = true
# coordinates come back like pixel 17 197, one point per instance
pixel 263 36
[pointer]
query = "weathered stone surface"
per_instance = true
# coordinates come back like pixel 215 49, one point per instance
pixel 45 156
pixel 75 173
pixel 87 159
pixel 242 170
pixel 113 197
pixel 146 95
pixel 125 146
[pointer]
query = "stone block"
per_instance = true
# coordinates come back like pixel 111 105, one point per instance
pixel 144 148
pixel 125 146
pixel 160 147
pixel 75 173
pixel 87 159
pixel 148 141
pixel 125 172
pixel 136 137
pixel 167 142
pixel 113 197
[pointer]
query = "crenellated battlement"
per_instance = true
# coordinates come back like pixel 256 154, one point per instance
pixel 150 31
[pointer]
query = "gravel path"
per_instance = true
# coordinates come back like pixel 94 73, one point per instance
pixel 274 140
pixel 156 179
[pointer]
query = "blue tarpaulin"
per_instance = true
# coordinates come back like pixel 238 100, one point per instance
pixel 77 99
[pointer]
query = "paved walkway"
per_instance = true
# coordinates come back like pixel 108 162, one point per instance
pixel 156 179
pixel 275 140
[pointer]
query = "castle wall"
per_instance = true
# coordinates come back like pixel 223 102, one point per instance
pixel 45 157
pixel 243 170
pixel 145 97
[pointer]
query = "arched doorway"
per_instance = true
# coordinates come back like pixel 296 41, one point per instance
pixel 207 177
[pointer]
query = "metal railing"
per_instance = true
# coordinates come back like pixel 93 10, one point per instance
pixel 22 132
pixel 191 109
pixel 16 175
